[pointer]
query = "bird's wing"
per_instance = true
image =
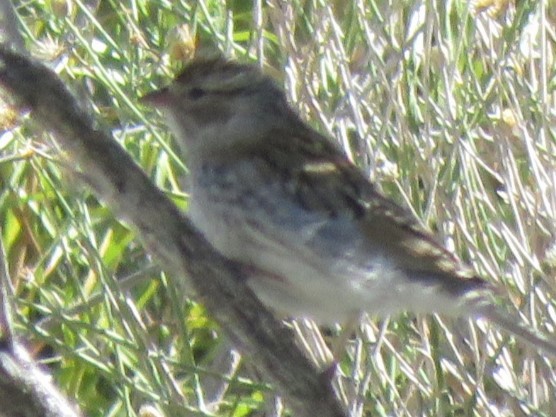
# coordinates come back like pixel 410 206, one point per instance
pixel 316 198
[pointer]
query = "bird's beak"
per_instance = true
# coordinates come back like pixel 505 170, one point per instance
pixel 158 98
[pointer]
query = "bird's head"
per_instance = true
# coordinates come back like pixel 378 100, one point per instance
pixel 217 103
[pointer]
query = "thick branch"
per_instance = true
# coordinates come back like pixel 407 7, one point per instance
pixel 118 181
pixel 27 391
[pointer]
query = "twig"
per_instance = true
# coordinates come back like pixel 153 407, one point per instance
pixel 25 390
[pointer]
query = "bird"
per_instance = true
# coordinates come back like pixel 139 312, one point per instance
pixel 316 237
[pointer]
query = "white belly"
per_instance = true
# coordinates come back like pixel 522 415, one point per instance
pixel 295 274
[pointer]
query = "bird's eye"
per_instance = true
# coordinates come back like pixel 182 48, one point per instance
pixel 196 93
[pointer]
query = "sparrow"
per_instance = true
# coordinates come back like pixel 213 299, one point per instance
pixel 317 238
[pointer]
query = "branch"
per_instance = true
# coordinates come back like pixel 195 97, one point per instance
pixel 25 390
pixel 165 231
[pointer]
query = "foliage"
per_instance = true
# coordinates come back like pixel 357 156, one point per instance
pixel 448 106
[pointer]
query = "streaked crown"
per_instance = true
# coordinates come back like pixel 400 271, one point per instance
pixel 220 76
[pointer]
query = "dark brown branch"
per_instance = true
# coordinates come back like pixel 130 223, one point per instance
pixel 118 181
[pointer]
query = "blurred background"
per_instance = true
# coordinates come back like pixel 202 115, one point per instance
pixel 448 105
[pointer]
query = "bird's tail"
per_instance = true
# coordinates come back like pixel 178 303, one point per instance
pixel 518 328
